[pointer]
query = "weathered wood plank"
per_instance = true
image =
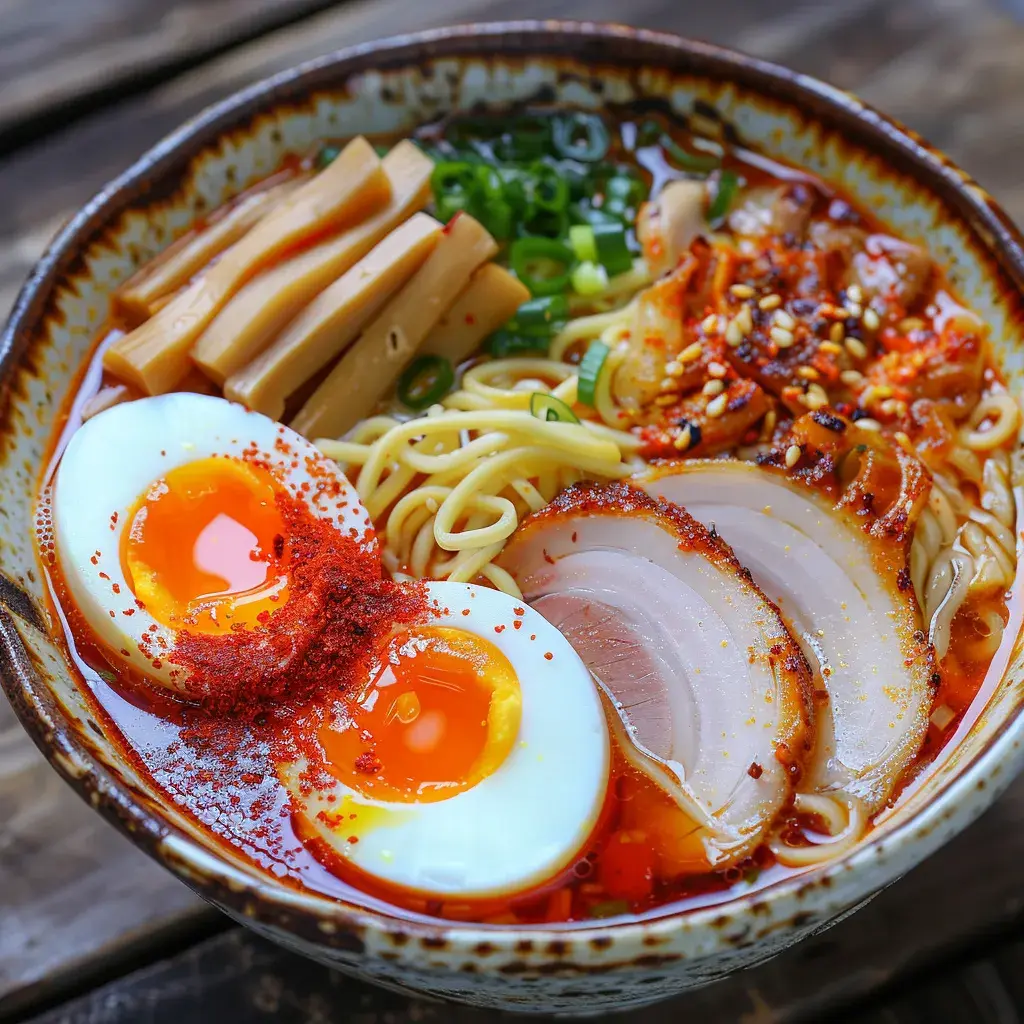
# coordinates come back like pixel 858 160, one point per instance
pixel 900 55
pixel 61 53
pixel 239 977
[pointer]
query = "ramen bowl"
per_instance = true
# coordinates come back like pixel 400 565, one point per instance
pixel 390 87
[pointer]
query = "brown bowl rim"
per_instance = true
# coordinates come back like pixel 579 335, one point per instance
pixel 607 44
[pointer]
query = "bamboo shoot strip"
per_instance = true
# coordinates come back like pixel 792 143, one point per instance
pixel 488 302
pixel 155 356
pixel 332 321
pixel 372 365
pixel 262 309
pixel 175 268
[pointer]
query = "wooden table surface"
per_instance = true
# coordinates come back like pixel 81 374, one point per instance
pixel 90 930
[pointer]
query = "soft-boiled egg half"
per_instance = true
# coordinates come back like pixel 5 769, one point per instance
pixel 474 760
pixel 165 519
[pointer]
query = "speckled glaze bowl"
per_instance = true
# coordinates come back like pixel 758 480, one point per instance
pixel 392 86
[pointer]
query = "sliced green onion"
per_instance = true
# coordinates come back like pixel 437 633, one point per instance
pixel 583 213
pixel 612 251
pixel 526 138
pixel 590 369
pixel 531 255
pixel 547 407
pixel 701 163
pixel 580 137
pixel 424 381
pixel 548 189
pixel 589 279
pixel 327 155
pixel 497 216
pixel 546 224
pixel 623 194
pixel 581 238
pixel 447 206
pixel 542 312
pixel 728 183
pixel 505 343
pixel 453 176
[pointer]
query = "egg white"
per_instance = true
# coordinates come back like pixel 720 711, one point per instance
pixel 114 458
pixel 515 828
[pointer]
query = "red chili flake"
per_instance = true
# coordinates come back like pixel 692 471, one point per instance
pixel 104 576
pixel 533 636
pixel 548 558
pixel 128 611
pixel 465 611
pixel 500 628
pixel 574 536
pixel 470 319
pixel 94 560
pixel 548 655
pixel 353 839
pixel 113 521
pixel 517 624
pixel 368 763
pixel 116 588
pixel 519 611
pixel 340 609
pixel 755 771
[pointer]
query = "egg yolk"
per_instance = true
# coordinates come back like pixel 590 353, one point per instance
pixel 440 713
pixel 204 547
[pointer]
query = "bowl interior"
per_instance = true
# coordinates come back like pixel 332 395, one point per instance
pixel 392 91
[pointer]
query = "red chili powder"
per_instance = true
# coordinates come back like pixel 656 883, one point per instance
pixel 340 608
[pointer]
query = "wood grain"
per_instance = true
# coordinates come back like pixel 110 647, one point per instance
pixel 60 54
pixel 73 893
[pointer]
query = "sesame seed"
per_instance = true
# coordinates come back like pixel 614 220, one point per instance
pixel 856 348
pixel 784 319
pixel 664 400
pixel 691 353
pixel 814 401
pixel 781 337
pixel 837 332
pixel 709 325
pixel 910 324
pixel 713 387
pixel 893 407
pixel 716 407
pixel 870 319
pixel 745 319
pixel 904 440
pixel 742 291
pixel 854 293
pixel 682 442
pixel 674 369
pixel 733 334
pixel 851 378
pixel 869 424
pixel 793 454
pixel 831 348
pixel 841 312
pixel 716 369
pixel 770 419
pixel 855 310
pixel 770 302
pixel 668 384
pixel 817 389
pixel 808 373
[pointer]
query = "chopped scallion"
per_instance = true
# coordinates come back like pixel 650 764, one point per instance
pixel 542 264
pixel 424 381
pixel 589 278
pixel 590 370
pixel 581 238
pixel 547 407
pixel 612 251
pixel 581 137
pixel 728 183
pixel 542 312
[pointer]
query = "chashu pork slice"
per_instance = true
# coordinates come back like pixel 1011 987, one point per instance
pixel 844 591
pixel 711 689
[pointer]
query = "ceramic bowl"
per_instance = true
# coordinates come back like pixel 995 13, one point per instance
pixel 387 87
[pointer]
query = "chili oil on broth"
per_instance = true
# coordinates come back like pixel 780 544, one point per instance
pixel 618 872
